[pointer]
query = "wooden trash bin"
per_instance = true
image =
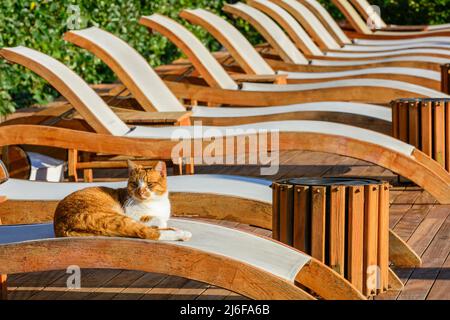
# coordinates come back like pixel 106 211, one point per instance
pixel 425 124
pixel 343 222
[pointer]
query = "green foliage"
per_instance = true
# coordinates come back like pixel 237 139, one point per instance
pixel 405 12
pixel 40 24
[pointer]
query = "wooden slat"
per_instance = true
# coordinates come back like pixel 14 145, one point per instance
pixel 318 223
pixel 447 136
pixel 355 236
pixel 337 229
pixel 426 128
pixel 72 159
pixel 413 126
pixel 383 236
pixel 371 239
pixel 438 133
pixel 395 118
pixel 302 218
pixel 275 211
pixel 403 121
pixel 286 214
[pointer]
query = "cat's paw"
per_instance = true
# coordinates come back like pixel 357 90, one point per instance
pixel 175 235
pixel 183 235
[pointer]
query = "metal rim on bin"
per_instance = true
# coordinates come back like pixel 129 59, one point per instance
pixel 330 181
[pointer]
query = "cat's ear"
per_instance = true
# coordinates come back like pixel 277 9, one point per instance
pixel 161 168
pixel 132 166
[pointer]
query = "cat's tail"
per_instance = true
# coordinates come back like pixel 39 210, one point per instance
pixel 115 225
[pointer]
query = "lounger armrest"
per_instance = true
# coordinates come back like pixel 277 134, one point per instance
pixel 270 78
pixel 132 117
pixel 402 28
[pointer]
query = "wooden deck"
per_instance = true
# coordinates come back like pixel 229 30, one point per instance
pixel 414 215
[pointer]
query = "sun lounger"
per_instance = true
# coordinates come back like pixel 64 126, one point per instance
pixel 232 198
pixel 366 11
pixel 250 60
pixel 253 266
pixel 353 45
pixel 276 37
pixel 363 31
pixel 114 137
pixel 216 76
pixel 323 29
pixel 116 53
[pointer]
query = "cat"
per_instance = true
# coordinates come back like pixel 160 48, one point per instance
pixel 141 210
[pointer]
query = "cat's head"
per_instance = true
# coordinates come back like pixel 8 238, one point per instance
pixel 147 183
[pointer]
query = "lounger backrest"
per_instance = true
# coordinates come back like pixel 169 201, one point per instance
pixel 289 24
pixel 310 22
pixel 131 68
pixel 205 63
pixel 83 98
pixel 367 11
pixel 352 16
pixel 326 18
pixel 241 49
pixel 270 30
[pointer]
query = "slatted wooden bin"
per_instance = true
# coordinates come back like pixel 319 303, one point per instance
pixel 425 124
pixel 343 222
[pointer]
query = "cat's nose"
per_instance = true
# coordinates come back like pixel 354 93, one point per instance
pixel 142 192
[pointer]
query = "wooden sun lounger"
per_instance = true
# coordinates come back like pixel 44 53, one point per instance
pixel 276 37
pixel 250 200
pixel 252 266
pixel 313 10
pixel 251 61
pixel 105 45
pixel 115 137
pixel 322 28
pixel 363 31
pixel 364 90
pixel 363 7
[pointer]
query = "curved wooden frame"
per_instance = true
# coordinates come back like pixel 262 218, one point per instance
pixel 166 258
pixel 237 55
pixel 418 167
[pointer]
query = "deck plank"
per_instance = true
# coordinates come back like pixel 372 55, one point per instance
pixel 422 279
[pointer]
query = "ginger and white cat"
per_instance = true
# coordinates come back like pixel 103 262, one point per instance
pixel 139 211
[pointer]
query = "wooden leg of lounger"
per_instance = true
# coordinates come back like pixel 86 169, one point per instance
pixel 395 284
pixel 72 159
pixel 88 174
pixel 190 168
pixel 401 254
pixel 3 287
